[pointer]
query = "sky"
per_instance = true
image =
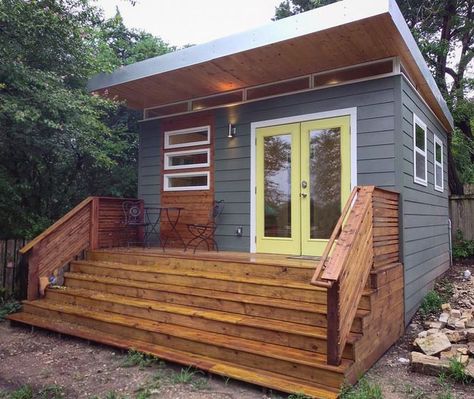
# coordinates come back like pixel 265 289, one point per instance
pixel 180 22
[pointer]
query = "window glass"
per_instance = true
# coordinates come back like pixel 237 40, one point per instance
pixel 187 159
pixel 420 137
pixel 420 175
pixel 420 166
pixel 190 138
pixel 438 153
pixel 186 181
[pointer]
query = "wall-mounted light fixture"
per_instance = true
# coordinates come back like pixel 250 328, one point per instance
pixel 232 131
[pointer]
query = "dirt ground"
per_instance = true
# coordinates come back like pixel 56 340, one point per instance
pixel 75 368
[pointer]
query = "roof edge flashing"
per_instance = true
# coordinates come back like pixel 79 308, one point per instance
pixel 320 19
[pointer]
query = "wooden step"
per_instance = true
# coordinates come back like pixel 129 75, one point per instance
pixel 272 288
pixel 279 268
pixel 260 377
pixel 279 309
pixel 297 363
pixel 300 336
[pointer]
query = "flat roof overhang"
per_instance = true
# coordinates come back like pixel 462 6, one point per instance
pixel 342 34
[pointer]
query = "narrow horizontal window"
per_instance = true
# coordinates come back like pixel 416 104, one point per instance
pixel 420 164
pixel 187 137
pixel 186 181
pixel 166 110
pixel 278 88
pixel 438 164
pixel 358 72
pixel 187 159
pixel 221 99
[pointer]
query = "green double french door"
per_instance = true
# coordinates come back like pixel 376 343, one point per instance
pixel 303 177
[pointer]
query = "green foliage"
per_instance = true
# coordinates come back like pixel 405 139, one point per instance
pixel 457 372
pixel 462 248
pixel 51 392
pixel 445 289
pixel 431 304
pixel 24 392
pixel 363 390
pixel 7 308
pixel 142 360
pixel 185 376
pixel 59 144
pixel 463 151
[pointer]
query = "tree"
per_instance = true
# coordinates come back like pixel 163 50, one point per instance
pixel 444 30
pixel 59 144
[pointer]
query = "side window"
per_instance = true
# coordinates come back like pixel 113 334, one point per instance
pixel 438 164
pixel 420 163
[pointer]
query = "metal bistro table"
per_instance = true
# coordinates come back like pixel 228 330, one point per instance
pixel 169 215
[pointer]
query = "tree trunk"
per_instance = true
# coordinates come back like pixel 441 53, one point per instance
pixel 455 185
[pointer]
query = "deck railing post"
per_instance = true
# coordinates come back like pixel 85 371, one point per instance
pixel 333 331
pixel 94 225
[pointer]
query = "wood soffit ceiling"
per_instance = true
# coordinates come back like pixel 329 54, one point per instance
pixel 357 42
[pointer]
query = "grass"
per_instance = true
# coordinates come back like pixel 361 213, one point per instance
pixel 142 360
pixel 185 376
pixel 457 372
pixel 27 392
pixel 431 304
pixel 365 389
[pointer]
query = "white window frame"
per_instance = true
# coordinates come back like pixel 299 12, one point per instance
pixel 438 141
pixel 171 133
pixel 167 176
pixel 169 155
pixel 416 179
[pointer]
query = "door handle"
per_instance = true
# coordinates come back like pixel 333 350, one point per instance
pixel 303 195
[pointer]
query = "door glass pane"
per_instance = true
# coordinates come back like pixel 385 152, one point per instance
pixel 277 185
pixel 325 181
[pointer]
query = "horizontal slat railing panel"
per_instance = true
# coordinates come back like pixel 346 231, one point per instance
pixel 95 223
pixel 365 238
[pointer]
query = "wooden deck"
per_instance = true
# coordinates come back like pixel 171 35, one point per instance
pixel 251 317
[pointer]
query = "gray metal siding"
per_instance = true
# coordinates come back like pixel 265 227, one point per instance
pixel 424 210
pixel 375 144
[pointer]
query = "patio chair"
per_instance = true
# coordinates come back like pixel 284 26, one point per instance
pixel 204 233
pixel 133 221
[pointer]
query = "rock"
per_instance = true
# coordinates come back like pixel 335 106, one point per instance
pixel 470 348
pixel 446 307
pixel 460 325
pixel 455 314
pixel 470 323
pixel 422 334
pixel 404 360
pixel 469 369
pixel 452 354
pixel 470 334
pixel 428 364
pixel 432 331
pixel 433 344
pixel 455 336
pixel 443 318
pixel 462 349
pixel 435 324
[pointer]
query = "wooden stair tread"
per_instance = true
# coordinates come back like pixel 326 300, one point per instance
pixel 232 318
pixel 312 359
pixel 224 295
pixel 202 274
pixel 259 377
pixel 227 257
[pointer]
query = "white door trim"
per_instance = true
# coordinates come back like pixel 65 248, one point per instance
pixel 352 112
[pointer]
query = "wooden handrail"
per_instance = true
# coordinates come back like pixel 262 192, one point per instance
pixel 93 223
pixel 332 240
pixel 35 241
pixel 346 264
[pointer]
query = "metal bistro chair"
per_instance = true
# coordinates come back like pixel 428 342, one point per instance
pixel 205 232
pixel 134 219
